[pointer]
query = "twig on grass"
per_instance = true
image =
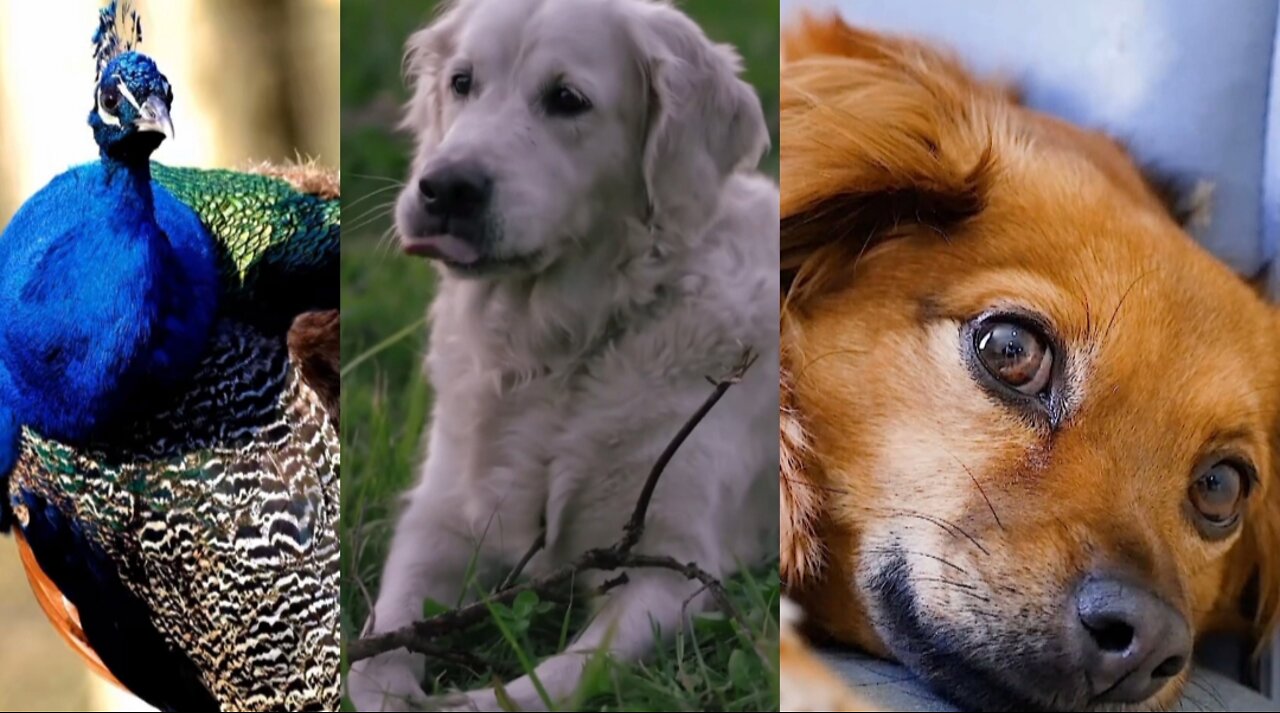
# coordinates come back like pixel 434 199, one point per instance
pixel 514 574
pixel 463 658
pixel 418 636
pixel 635 526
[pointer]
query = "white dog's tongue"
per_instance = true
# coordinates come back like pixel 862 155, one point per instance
pixel 446 247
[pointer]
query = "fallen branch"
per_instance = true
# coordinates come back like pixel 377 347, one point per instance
pixel 635 526
pixel 463 658
pixel 514 574
pixel 418 636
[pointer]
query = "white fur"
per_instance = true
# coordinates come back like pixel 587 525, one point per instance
pixel 558 385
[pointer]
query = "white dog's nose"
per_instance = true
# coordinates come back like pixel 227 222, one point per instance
pixel 457 190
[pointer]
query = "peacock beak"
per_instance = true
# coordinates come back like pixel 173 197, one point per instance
pixel 154 116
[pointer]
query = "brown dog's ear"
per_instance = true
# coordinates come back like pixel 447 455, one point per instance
pixel 1249 599
pixel 1187 201
pixel 1265 531
pixel 1262 594
pixel 877 133
pixel 800 550
pixel 1253 586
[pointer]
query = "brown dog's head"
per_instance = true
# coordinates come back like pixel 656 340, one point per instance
pixel 1030 427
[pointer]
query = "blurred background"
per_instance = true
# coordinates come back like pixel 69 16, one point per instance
pixel 253 80
pixel 384 296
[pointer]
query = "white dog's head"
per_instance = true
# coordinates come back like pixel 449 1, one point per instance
pixel 540 123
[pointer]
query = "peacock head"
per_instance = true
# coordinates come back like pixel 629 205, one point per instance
pixel 131 105
pixel 131 101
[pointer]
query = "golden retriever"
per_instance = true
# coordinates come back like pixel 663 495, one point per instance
pixel 585 180
pixel 1030 428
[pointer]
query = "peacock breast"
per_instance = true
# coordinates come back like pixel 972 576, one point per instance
pixel 100 301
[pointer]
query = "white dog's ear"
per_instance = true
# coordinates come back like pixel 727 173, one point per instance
pixel 704 122
pixel 424 55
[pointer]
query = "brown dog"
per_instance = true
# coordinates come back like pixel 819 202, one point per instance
pixel 1030 429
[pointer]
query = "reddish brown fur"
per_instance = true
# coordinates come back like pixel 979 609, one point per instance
pixel 306 176
pixel 315 345
pixel 914 198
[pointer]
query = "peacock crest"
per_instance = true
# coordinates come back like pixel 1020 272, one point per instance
pixel 119 31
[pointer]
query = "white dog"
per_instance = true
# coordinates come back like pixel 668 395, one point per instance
pixel 585 177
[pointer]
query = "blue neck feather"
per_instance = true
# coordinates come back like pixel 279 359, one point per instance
pixel 109 283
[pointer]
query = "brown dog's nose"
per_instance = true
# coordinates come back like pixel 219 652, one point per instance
pixel 456 190
pixel 1131 642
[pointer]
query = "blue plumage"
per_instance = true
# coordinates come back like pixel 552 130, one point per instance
pixel 110 284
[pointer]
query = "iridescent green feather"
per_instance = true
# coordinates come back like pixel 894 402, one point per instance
pixel 278 243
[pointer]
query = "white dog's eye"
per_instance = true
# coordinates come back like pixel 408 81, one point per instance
pixel 460 83
pixel 563 100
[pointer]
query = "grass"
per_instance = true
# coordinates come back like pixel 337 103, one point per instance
pixel 714 665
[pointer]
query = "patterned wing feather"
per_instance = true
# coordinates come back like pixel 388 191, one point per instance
pixel 220 513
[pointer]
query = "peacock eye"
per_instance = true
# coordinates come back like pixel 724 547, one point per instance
pixel 109 99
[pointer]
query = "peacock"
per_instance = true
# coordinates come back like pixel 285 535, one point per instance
pixel 169 408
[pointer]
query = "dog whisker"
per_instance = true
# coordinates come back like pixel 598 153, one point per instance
pixel 961 588
pixel 370 177
pixel 950 527
pixel 1123 298
pixel 916 553
pixel 836 352
pixel 371 215
pixel 365 224
pixel 978 485
pixel 944 580
pixel 371 194
pixel 1210 690
pixel 387 240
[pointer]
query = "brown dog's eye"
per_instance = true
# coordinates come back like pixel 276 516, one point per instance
pixel 1218 494
pixel 1015 354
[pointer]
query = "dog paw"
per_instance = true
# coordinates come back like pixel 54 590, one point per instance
pixel 453 702
pixel 481 700
pixel 388 682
